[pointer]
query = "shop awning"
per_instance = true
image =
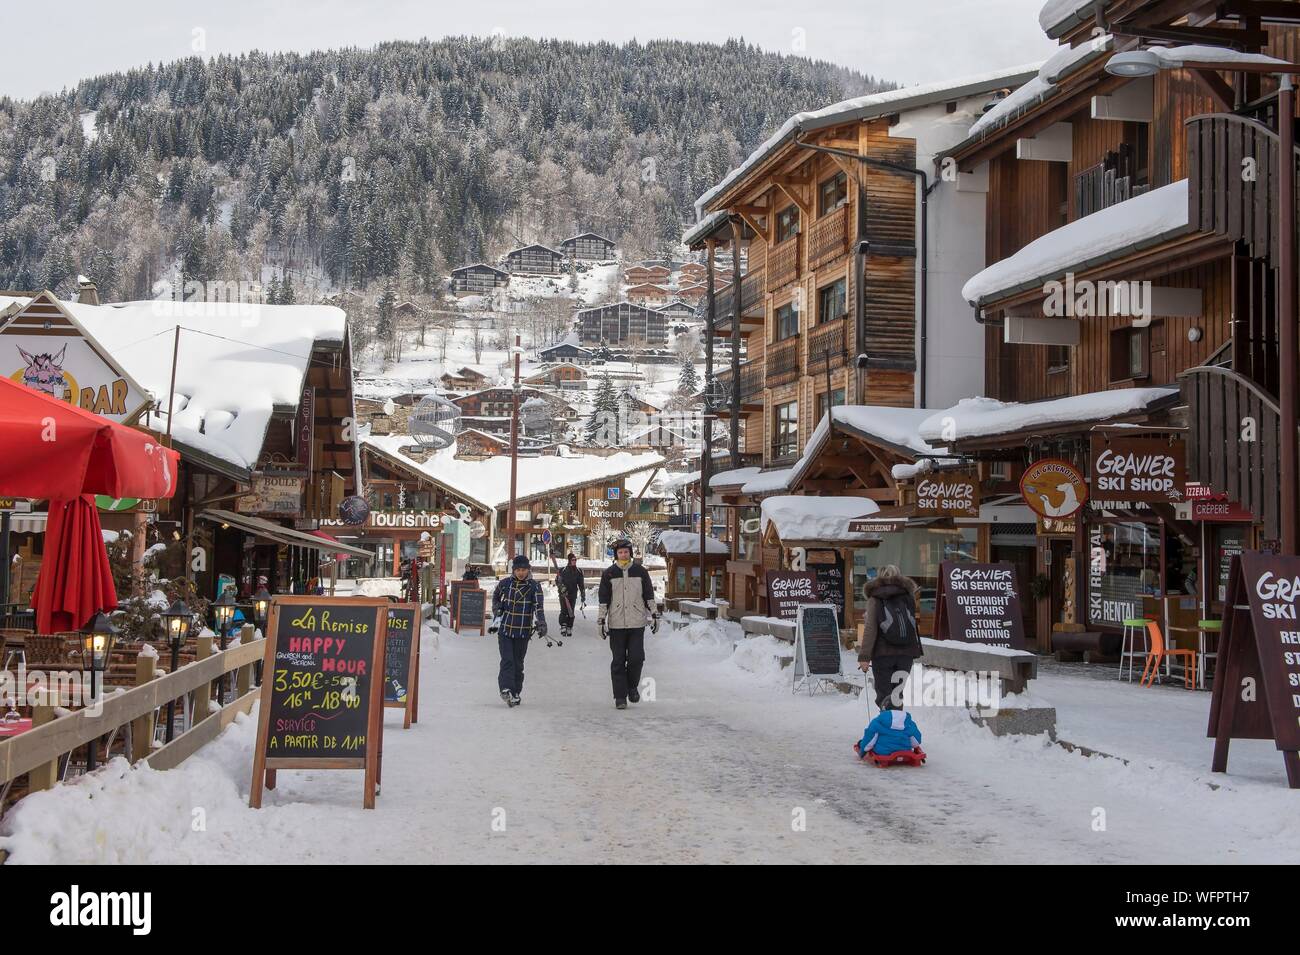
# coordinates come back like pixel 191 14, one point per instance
pixel 280 534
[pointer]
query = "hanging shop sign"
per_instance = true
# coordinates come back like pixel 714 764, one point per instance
pixel 1225 511
pixel 979 603
pixel 16 505
pixel 305 426
pixel 273 493
pixel 1056 526
pixel 873 525
pixel 354 510
pixel 1138 469
pixel 1258 667
pixel 948 494
pixel 1054 488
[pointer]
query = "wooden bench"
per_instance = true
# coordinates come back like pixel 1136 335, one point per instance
pixel 1015 667
pixel 1087 645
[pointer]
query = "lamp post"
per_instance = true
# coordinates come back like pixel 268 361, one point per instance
pixel 514 456
pixel 1137 63
pixel 177 619
pixel 261 607
pixel 97 638
pixel 223 611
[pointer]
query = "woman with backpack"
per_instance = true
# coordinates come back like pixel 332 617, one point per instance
pixel 890 639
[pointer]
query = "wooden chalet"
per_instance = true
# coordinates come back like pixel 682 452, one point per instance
pixel 647 274
pixel 1129 255
pixel 588 247
pixel 534 260
pixel 623 323
pixel 478 279
pixel 463 379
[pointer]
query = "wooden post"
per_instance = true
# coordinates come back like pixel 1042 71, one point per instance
pixel 43 777
pixel 244 678
pixel 142 727
pixel 203 693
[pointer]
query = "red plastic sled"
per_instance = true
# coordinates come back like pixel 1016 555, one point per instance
pixel 906 757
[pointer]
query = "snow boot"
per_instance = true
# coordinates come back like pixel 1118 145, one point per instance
pixel 620 704
pixel 505 696
pixel 514 700
pixel 633 695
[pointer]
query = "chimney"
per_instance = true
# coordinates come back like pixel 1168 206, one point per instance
pixel 87 294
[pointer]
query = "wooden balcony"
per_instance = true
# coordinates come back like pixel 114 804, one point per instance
pixel 829 339
pixel 752 289
pixel 829 238
pixel 751 390
pixel 1217 399
pixel 783 264
pixel 782 362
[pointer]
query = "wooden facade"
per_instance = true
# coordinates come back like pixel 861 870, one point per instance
pixel 623 323
pixel 479 279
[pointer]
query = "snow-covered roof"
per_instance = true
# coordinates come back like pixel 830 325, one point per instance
pixel 535 245
pixel 479 265
pixel 235 365
pixel 1055 68
pixel 862 107
pixel 768 482
pixel 798 518
pixel 1056 16
pixel 988 417
pixel 896 427
pixel 685 542
pixel 586 235
pixel 487 482
pixel 1136 223
pixel 735 477
pixel 697 232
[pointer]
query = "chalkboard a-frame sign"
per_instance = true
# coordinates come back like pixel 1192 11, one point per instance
pixel 322 689
pixel 816 646
pixel 1257 670
pixel 402 661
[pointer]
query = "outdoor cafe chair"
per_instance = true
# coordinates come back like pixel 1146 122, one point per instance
pixel 1161 654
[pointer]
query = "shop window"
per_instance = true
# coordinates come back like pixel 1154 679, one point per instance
pixel 837 400
pixel 832 194
pixel 1058 359
pixel 1123 567
pixel 787 223
pixel 832 301
pixel 917 552
pixel 785 430
pixel 1130 354
pixel 787 321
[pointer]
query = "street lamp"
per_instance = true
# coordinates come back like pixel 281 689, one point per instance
pixel 177 619
pixel 223 611
pixel 261 607
pixel 97 638
pixel 1136 63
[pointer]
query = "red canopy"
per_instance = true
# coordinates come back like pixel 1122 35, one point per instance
pixel 66 454
pixel 53 450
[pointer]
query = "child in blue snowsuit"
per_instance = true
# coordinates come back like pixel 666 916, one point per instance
pixel 892 731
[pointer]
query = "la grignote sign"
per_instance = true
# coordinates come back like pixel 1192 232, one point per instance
pixel 1138 469
pixel 322 689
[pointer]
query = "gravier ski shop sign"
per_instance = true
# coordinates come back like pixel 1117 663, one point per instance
pixel 979 603
pixel 1138 469
pixel 1257 677
pixel 948 494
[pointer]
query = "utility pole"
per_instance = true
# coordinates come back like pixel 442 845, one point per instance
pixel 514 456
pixel 1286 311
pixel 706 450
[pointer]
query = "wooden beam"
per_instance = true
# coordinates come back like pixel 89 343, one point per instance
pixel 752 222
pixel 792 192
pixel 1217 87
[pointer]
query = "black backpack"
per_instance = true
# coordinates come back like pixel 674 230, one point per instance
pixel 897 623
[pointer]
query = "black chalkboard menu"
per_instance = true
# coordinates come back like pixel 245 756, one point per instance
pixel 827 567
pixel 979 603
pixel 816 643
pixel 470 608
pixel 402 659
pixel 322 689
pixel 1259 648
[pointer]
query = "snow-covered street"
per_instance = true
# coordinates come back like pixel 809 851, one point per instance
pixel 722 766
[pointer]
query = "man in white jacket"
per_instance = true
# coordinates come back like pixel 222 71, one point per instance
pixel 627 604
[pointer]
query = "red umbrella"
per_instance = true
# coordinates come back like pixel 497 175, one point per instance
pixel 66 454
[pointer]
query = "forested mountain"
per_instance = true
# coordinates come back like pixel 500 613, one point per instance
pixel 350 167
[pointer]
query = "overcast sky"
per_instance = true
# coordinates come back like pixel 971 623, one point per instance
pixel 908 41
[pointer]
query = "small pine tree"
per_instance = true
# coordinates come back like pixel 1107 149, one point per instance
pixel 688 384
pixel 602 425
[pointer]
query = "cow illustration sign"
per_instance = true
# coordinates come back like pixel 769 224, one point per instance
pixel 322 689
pixel 1054 488
pixel 1257 677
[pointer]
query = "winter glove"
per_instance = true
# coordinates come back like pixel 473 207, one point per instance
pixel 604 629
pixel 495 625
pixel 541 628
pixel 654 622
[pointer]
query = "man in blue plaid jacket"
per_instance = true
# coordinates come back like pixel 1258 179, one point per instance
pixel 516 610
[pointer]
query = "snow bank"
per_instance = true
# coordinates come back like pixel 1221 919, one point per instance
pixel 985 417
pixel 815 518
pixel 1142 220
pixel 684 542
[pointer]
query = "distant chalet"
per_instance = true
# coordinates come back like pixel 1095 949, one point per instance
pixel 622 324
pixel 588 247
pixel 534 260
pixel 478 279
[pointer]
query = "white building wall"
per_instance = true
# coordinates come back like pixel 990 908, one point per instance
pixel 954 358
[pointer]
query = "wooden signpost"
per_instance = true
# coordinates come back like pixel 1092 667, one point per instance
pixel 468 607
pixel 979 603
pixel 402 661
pixel 1257 679
pixel 816 646
pixel 322 690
